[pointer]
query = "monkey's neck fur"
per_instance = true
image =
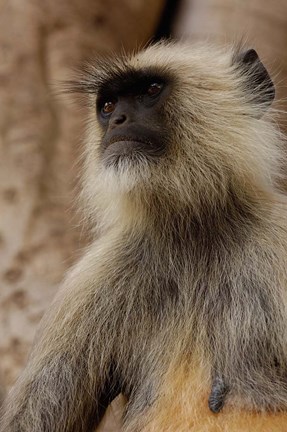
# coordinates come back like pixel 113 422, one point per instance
pixel 230 214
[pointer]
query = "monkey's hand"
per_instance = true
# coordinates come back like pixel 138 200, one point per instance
pixel 218 394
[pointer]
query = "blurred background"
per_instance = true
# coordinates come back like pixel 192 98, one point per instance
pixel 41 41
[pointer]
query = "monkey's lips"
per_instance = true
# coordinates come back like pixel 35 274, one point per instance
pixel 125 148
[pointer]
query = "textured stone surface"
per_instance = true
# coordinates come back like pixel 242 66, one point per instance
pixel 40 142
pixel 262 25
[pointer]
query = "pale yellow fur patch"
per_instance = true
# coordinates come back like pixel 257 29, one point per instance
pixel 183 407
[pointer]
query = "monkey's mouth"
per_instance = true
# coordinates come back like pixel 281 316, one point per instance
pixel 129 149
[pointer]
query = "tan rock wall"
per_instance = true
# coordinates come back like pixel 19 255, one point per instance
pixel 40 142
pixel 261 24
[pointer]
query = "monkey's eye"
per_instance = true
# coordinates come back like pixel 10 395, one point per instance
pixel 108 108
pixel 154 89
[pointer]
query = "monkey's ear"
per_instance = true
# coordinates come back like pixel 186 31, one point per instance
pixel 257 81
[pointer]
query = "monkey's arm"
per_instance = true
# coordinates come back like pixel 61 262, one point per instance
pixel 67 384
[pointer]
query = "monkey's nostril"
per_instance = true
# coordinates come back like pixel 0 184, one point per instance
pixel 120 119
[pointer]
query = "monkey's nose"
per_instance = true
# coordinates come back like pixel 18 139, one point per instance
pixel 118 120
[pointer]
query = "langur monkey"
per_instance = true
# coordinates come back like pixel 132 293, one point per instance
pixel 180 302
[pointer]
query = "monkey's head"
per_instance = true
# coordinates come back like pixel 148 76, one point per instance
pixel 179 122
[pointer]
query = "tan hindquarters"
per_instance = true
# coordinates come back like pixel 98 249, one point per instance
pixel 183 407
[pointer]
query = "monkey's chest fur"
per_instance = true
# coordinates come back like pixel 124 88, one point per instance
pixel 160 305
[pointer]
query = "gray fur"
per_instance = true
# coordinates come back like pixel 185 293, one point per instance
pixel 190 256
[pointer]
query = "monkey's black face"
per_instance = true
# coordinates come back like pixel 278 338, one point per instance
pixel 131 114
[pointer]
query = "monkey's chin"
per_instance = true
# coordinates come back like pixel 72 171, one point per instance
pixel 122 155
pixel 125 166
